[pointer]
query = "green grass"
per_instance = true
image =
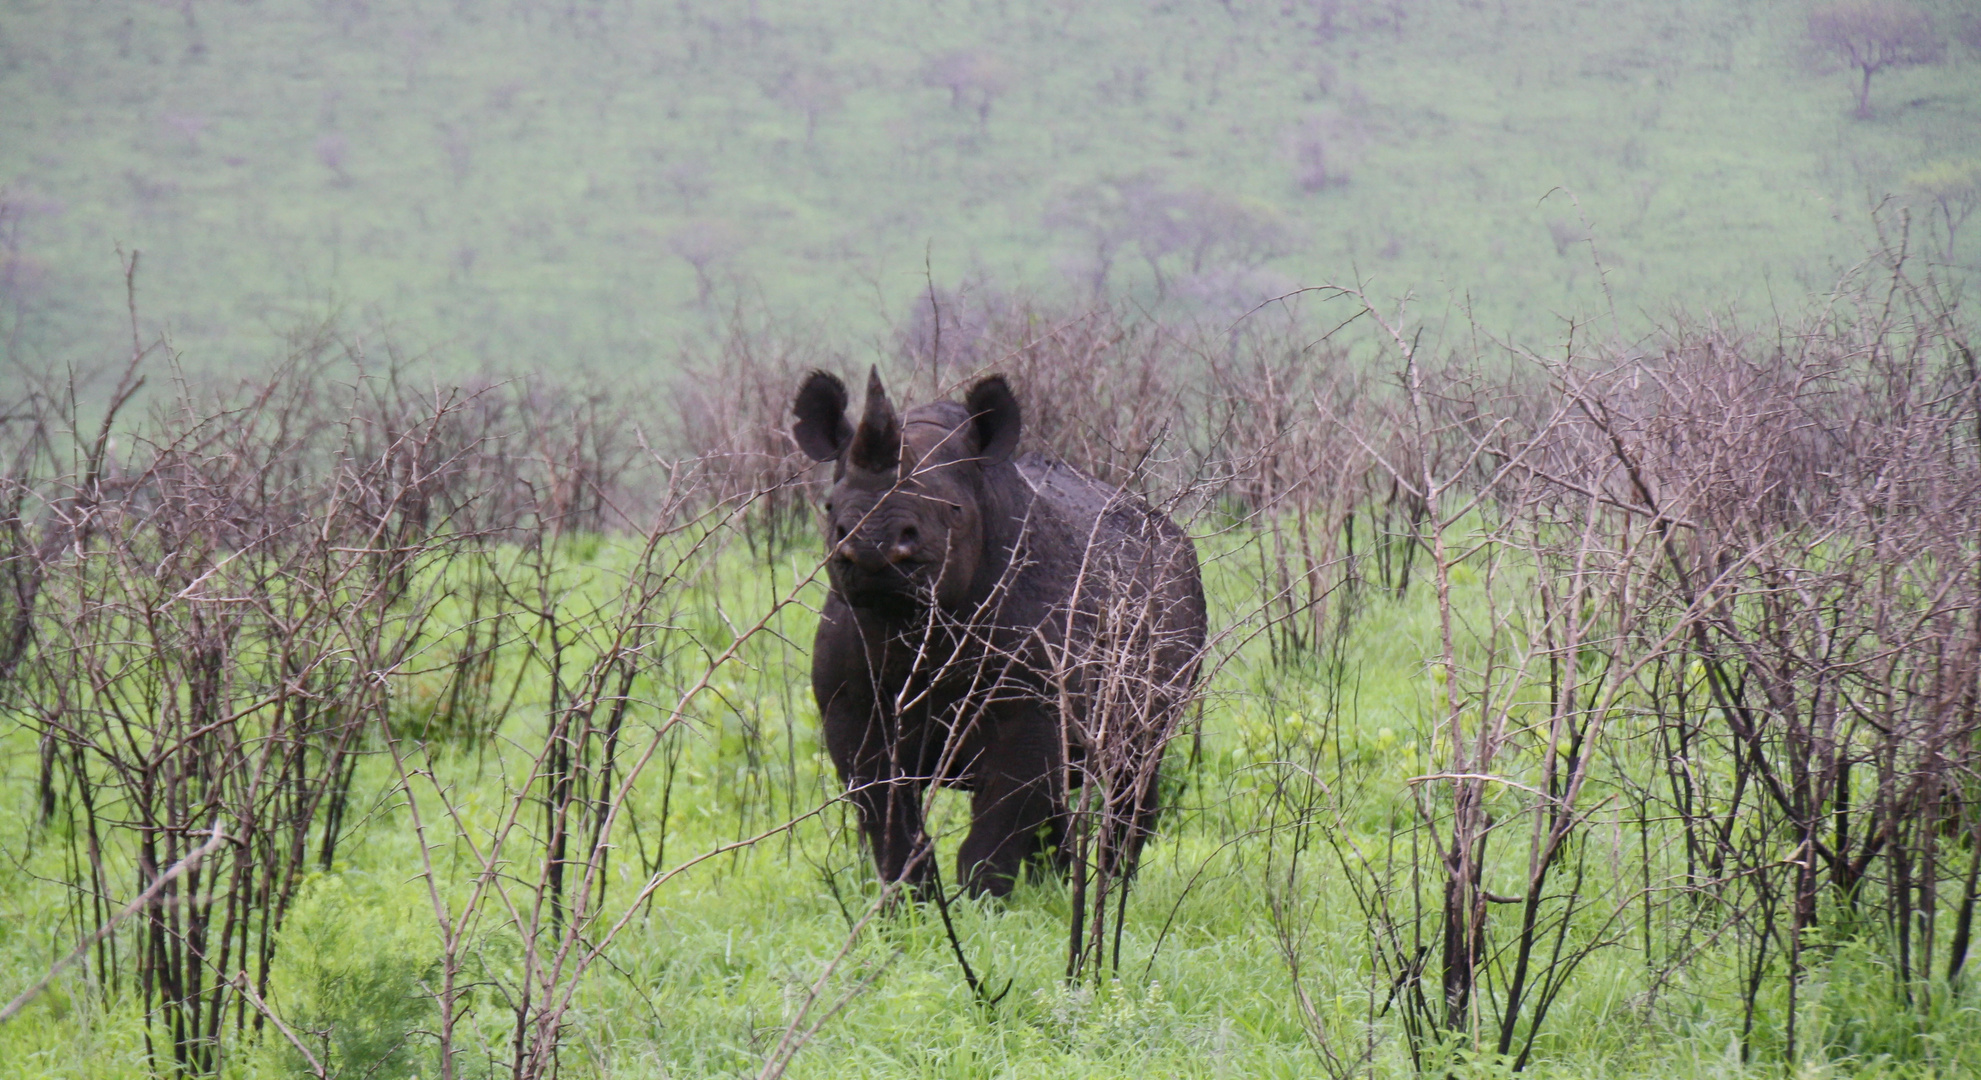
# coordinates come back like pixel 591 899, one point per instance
pixel 511 175
pixel 704 983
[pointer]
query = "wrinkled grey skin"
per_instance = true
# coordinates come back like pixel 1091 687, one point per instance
pixel 970 593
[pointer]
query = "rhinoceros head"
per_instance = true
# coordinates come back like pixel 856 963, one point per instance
pixel 905 517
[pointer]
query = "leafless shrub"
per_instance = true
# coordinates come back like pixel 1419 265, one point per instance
pixel 1815 503
pixel 1103 391
pixel 732 407
pixel 1281 408
pixel 1464 463
pixel 212 615
pixel 203 628
pixel 1715 595
pixel 1135 658
pixel 537 456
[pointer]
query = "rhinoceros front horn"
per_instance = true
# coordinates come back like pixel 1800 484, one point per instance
pixel 877 442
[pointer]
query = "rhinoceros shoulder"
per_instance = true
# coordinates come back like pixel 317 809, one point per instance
pixel 1081 500
pixel 1062 484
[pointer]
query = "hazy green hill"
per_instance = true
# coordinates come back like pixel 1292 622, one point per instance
pixel 526 185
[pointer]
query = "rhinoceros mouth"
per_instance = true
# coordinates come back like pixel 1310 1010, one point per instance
pixel 899 605
pixel 895 590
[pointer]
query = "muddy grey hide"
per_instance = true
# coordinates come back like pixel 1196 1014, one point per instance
pixel 1003 624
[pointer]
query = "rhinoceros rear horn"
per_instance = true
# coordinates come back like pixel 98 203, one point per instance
pixel 877 441
pixel 994 410
pixel 822 431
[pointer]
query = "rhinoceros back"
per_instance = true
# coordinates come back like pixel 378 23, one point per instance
pixel 1090 508
pixel 1122 548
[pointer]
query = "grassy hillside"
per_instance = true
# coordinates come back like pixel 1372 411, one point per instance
pixel 539 185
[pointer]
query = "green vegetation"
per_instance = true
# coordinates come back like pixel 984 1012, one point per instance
pixel 495 778
pixel 543 186
pixel 706 982
pixel 1584 710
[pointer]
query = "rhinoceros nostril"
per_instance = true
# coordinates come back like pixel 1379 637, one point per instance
pixel 906 544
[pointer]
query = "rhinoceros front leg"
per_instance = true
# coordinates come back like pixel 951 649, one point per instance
pixel 868 754
pixel 1018 811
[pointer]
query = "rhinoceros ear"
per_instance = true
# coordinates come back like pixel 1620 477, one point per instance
pixel 877 441
pixel 822 431
pixel 994 409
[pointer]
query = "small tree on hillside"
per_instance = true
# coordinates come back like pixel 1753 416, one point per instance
pixel 812 92
pixel 705 245
pixel 1319 147
pixel 331 150
pixel 1872 35
pixel 972 78
pixel 1187 232
pixel 1955 187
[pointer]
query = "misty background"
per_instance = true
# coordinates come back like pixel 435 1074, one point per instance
pixel 552 186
